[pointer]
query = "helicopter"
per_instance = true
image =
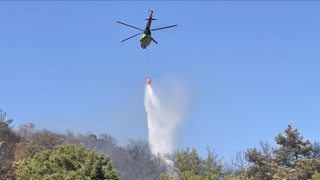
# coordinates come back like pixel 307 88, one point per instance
pixel 146 37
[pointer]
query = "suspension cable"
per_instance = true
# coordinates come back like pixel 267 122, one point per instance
pixel 147 58
pixel 148 64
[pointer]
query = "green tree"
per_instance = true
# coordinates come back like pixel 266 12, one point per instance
pixel 66 162
pixel 261 164
pixel 316 176
pixel 231 176
pixel 295 158
pixel 211 167
pixel 164 176
pixel 188 165
pixel 292 147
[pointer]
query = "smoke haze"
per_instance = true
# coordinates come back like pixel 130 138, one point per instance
pixel 165 107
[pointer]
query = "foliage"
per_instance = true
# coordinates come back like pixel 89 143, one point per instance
pixel 316 176
pixel 237 176
pixel 66 162
pixel 134 161
pixel 141 163
pixel 32 151
pixel 293 159
pixel 8 139
pixel 233 176
pixel 164 176
pixel 47 139
pixel 25 149
pixel 261 167
pixel 237 169
pixel 189 165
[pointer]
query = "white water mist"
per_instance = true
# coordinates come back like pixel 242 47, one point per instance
pixel 165 110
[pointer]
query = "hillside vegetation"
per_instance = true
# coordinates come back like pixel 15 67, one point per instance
pixel 30 153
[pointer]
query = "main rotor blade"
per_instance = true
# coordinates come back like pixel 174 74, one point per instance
pixel 131 37
pixel 129 25
pixel 163 27
pixel 154 41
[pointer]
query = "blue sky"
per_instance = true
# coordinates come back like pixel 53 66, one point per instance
pixel 250 68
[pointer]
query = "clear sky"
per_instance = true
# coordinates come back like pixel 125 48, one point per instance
pixel 251 68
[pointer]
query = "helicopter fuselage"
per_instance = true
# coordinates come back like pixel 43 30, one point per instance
pixel 145 40
pixel 146 37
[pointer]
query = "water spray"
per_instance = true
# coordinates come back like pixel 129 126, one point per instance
pixel 165 109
